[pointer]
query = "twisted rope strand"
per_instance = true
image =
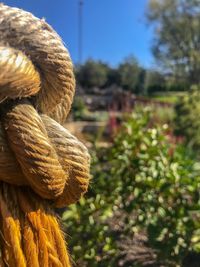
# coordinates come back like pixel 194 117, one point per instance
pixel 42 164
pixel 34 37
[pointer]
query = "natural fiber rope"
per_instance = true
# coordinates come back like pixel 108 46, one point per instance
pixel 41 163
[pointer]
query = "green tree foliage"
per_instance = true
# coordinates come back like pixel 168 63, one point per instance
pixel 113 77
pixel 152 184
pixel 131 75
pixel 154 82
pixel 92 74
pixel 177 37
pixel 128 75
pixel 187 119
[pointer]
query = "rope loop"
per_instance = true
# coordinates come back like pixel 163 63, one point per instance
pixel 37 86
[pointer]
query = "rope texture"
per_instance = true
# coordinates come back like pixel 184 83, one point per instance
pixel 42 164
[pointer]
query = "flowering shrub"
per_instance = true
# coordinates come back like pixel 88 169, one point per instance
pixel 155 186
pixel 187 119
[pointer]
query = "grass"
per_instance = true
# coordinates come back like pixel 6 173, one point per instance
pixel 168 97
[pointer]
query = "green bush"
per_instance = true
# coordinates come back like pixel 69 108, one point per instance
pixel 79 109
pixel 92 74
pixel 152 183
pixel 187 119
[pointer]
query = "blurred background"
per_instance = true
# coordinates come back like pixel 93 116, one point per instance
pixel 137 109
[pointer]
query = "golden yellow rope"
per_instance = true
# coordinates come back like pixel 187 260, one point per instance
pixel 42 165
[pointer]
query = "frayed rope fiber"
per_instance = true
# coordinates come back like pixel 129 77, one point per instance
pixel 42 166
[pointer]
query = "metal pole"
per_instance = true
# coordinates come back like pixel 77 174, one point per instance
pixel 80 32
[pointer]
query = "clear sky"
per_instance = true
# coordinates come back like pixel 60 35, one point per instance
pixel 112 29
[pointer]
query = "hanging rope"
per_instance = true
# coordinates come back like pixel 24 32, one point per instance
pixel 42 165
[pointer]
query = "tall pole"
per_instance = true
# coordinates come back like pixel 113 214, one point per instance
pixel 80 31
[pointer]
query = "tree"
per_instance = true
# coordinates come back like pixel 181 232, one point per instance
pixel 131 76
pixel 113 77
pixel 92 74
pixel 177 37
pixel 154 81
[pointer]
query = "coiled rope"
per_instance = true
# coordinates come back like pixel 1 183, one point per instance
pixel 41 164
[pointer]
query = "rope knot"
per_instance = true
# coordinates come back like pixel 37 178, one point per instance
pixel 36 91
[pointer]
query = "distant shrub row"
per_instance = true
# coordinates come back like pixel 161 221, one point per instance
pixel 129 75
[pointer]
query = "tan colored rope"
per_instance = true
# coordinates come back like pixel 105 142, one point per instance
pixel 39 158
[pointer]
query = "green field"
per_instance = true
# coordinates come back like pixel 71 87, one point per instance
pixel 168 97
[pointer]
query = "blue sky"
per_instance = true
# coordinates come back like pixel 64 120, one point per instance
pixel 112 29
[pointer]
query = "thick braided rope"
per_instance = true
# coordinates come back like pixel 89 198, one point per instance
pixel 39 42
pixel 30 233
pixel 37 151
pixel 39 158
